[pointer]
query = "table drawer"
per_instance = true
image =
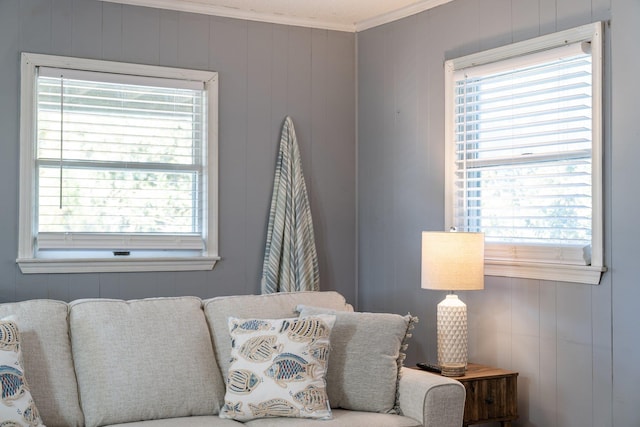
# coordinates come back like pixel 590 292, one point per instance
pixel 490 399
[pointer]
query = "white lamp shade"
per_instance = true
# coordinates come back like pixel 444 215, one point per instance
pixel 452 261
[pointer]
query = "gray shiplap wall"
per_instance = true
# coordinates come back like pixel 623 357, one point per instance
pixel 625 205
pixel 574 371
pixel 575 346
pixel 266 72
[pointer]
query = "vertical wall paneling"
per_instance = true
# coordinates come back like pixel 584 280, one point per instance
pixel 525 18
pixel 495 23
pixel 321 155
pixel 333 64
pixel 548 15
pixel 278 109
pixel 430 62
pixel 388 188
pixel 138 285
pixel 299 102
pixel 141 35
pixel 230 60
pixel 428 68
pixel 112 31
pixel 169 30
pixel 83 286
pixel 9 105
pixel 61 26
pixel 625 150
pixel 30 286
pixel 279 79
pixel 35 33
pixel 299 94
pixel 109 285
pixel 601 301
pixel 600 10
pixel 58 287
pixel 86 29
pixel 340 157
pixel 490 316
pixel 167 285
pixel 262 155
pixel 371 173
pixel 457 43
pixel 405 147
pixel 571 13
pixel 574 354
pixel 197 283
pixel 193 41
pixel 525 343
pixel 545 413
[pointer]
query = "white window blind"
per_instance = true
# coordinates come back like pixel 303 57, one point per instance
pixel 524 154
pixel 118 158
pixel 523 150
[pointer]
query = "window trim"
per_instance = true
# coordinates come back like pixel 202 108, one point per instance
pixel 26 259
pixel 498 261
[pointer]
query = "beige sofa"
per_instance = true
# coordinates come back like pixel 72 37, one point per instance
pixel 157 363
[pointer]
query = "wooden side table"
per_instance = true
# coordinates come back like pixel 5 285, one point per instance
pixel 492 395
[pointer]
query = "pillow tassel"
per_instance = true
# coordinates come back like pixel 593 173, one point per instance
pixel 402 356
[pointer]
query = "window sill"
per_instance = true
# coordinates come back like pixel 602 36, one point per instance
pixel 110 265
pixel 556 272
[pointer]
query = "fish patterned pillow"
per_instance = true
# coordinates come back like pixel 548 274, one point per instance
pixel 278 368
pixel 16 406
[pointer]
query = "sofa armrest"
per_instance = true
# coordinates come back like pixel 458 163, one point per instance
pixel 434 400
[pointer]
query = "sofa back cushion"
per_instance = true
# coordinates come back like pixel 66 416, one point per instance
pixel 270 306
pixel 48 365
pixel 143 360
pixel 367 353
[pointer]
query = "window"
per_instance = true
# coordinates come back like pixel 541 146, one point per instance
pixel 118 167
pixel 524 157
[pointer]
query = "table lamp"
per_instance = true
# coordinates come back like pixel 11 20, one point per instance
pixel 452 261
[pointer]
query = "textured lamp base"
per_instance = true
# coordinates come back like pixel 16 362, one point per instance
pixel 452 336
pixel 453 371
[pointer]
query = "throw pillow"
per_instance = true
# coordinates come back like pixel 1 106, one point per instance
pixel 278 368
pixel 367 353
pixel 16 407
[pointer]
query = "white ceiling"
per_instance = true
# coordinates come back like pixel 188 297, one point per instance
pixel 342 15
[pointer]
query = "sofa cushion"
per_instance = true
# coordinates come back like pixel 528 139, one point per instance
pixel 198 421
pixel 17 407
pixel 270 306
pixel 278 368
pixel 341 418
pixel 46 350
pixel 143 359
pixel 367 352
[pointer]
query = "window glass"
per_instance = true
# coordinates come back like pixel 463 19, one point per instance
pixel 523 153
pixel 118 158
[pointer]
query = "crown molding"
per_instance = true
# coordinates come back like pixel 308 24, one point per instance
pixel 398 14
pixel 227 12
